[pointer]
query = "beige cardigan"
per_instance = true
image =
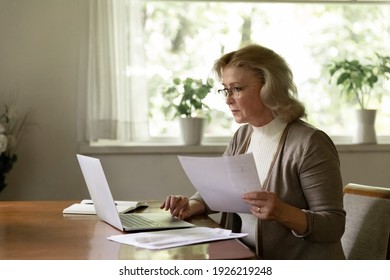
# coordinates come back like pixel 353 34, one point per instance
pixel 306 175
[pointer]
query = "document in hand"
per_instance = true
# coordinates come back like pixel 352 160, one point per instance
pixel 174 238
pixel 221 181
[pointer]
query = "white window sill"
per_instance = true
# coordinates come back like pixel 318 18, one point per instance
pixel 151 148
pixel 206 148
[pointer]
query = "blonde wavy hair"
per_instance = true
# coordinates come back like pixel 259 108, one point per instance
pixel 279 92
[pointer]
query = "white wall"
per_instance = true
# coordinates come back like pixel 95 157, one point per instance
pixel 40 43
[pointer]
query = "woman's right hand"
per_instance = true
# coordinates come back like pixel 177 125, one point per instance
pixel 178 205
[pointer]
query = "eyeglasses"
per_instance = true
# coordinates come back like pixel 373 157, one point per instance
pixel 233 91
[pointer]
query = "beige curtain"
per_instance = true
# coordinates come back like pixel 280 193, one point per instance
pixel 116 102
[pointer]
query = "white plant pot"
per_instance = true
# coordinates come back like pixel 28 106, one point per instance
pixel 192 130
pixel 365 127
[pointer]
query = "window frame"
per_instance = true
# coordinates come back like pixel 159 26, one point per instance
pixel 220 141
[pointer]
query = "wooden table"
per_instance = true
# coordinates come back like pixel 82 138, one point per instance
pixel 37 230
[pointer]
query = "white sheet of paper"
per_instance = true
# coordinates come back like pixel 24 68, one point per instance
pixel 221 181
pixel 173 238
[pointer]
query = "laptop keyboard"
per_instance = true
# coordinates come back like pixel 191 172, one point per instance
pixel 137 221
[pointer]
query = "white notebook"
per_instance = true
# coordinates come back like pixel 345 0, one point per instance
pixel 85 207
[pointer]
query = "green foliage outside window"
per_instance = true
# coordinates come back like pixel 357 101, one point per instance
pixel 185 44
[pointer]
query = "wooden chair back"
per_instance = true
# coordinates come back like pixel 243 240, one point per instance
pixel 367 231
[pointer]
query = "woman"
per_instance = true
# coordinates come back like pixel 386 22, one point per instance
pixel 298 211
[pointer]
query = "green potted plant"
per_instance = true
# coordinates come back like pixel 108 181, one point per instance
pixel 186 100
pixel 358 82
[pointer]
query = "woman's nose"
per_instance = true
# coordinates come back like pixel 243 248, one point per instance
pixel 229 99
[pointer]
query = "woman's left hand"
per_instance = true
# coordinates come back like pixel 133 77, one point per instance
pixel 268 206
pixel 264 205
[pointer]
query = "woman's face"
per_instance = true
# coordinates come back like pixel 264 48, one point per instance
pixel 247 107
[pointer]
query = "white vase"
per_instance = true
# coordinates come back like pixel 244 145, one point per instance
pixel 365 127
pixel 191 130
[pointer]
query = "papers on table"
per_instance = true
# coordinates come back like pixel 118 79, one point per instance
pixel 174 238
pixel 221 181
pixel 86 207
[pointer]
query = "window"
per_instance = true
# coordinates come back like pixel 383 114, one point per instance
pixel 307 35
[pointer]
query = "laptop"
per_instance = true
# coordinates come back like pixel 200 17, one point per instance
pixel 106 210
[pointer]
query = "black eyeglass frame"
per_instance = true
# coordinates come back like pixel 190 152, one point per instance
pixel 234 91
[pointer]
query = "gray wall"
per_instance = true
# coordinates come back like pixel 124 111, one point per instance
pixel 40 46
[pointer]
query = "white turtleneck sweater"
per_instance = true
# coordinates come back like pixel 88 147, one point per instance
pixel 264 143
